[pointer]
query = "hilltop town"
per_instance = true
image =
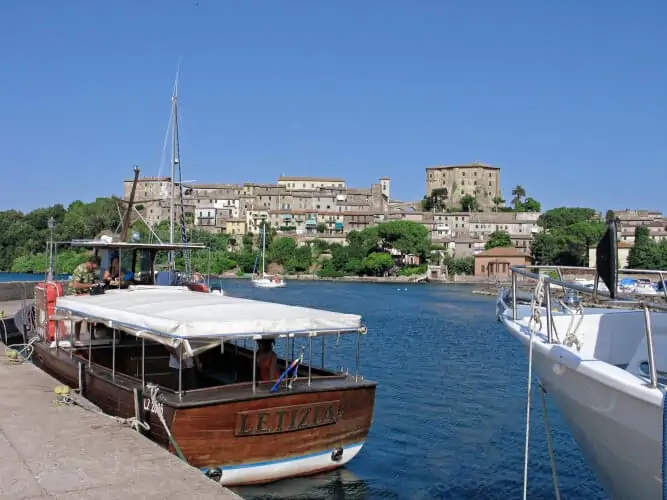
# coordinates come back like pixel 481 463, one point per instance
pixel 462 206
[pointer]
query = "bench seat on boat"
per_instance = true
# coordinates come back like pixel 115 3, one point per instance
pixel 641 355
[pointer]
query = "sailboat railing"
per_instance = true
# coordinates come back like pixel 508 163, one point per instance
pixel 610 298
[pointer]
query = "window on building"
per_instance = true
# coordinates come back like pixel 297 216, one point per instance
pixel 483 268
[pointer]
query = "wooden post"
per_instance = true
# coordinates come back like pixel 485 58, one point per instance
pixel 139 407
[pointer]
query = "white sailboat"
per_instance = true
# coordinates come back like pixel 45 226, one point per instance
pixel 605 368
pixel 263 280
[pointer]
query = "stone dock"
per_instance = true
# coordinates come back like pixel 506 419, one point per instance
pixel 68 452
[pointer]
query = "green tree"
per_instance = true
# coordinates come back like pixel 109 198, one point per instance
pixel 469 203
pixel 530 205
pixel 645 253
pixel 518 193
pixel 321 228
pixel 407 236
pixel 498 239
pixel 437 200
pixel 377 263
pixel 498 201
pixel 566 235
pixel 461 266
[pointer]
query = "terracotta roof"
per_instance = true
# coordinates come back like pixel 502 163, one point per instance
pixel 502 252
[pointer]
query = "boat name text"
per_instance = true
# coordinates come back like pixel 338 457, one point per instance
pixel 286 418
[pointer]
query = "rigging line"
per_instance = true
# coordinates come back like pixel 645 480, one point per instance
pixel 163 158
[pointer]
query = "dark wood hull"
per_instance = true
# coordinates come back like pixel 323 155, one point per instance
pixel 240 436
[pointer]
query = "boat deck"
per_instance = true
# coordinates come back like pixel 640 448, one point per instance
pixel 53 451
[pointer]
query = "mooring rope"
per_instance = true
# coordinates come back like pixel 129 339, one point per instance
pixel 65 397
pixel 20 353
pixel 153 391
pixel 552 456
pixel 534 323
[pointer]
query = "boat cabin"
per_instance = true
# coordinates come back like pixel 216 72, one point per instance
pixel 137 261
pixel 169 336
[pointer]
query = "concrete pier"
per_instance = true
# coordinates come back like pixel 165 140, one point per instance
pixel 52 451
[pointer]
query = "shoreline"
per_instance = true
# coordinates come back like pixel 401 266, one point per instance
pixel 461 280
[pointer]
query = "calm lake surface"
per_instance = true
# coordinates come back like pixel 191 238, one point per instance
pixel 449 418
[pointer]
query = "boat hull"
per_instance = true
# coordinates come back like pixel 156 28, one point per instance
pixel 619 435
pixel 246 438
pixel 265 283
pixel 253 440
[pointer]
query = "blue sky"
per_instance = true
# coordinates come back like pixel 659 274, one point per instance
pixel 562 95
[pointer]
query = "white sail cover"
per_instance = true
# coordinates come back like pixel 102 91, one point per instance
pixel 178 312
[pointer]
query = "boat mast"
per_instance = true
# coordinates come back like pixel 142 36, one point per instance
pixel 174 163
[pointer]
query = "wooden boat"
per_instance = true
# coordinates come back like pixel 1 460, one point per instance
pixel 218 416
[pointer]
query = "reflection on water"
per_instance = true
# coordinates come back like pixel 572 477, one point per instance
pixel 449 417
pixel 338 484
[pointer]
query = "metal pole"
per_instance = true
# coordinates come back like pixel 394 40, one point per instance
pixel 208 271
pixel 90 350
pixel 662 284
pixel 120 258
pixel 254 369
pixel 286 351
pixel 514 295
pixel 143 363
pixel 180 373
pixel 113 355
pixel 649 344
pixel 310 355
pixel 550 318
pixel 356 368
pixel 322 352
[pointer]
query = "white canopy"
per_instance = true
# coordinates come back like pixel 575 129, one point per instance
pixel 181 313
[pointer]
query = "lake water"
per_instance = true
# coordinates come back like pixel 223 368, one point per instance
pixel 449 418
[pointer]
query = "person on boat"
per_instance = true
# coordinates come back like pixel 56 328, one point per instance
pixel 84 276
pixel 267 361
pixel 83 279
pixel 112 274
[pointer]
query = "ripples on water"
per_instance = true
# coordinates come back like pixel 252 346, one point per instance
pixel 449 417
